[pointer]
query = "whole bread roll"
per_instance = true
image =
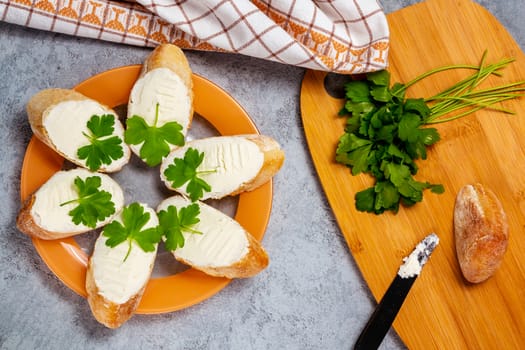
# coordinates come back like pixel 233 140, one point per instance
pixel 481 232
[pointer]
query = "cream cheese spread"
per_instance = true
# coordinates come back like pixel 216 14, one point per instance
pixel 165 87
pixel 117 279
pixel 50 215
pixel 417 259
pixel 66 122
pixel 222 242
pixel 229 162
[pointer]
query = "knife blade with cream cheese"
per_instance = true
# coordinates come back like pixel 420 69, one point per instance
pixel 388 308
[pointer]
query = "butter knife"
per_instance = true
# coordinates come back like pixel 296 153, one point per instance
pixel 387 309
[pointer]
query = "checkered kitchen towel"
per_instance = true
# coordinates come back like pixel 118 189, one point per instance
pixel 346 36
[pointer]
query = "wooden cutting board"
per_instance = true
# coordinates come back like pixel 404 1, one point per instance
pixel 442 311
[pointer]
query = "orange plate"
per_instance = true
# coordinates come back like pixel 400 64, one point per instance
pixel 65 258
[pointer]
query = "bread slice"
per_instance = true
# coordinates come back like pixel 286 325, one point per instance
pixel 223 248
pixel 231 164
pixel 481 232
pixel 117 276
pixel 43 214
pixel 59 117
pixel 165 80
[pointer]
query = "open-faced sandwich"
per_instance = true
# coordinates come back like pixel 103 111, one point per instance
pixel 82 130
pixel 221 166
pixel 69 203
pixel 121 264
pixel 160 107
pixel 208 240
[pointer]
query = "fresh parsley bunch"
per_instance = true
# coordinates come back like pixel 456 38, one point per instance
pixel 384 135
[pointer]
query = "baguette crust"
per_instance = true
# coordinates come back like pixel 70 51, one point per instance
pixel 26 223
pixel 44 101
pixel 481 232
pixel 273 161
pixel 172 57
pixel 251 264
pixel 110 314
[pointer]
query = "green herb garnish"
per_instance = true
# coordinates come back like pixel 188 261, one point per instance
pixel 103 147
pixel 155 140
pixel 133 220
pixel 173 224
pixel 93 204
pixel 185 170
pixel 386 132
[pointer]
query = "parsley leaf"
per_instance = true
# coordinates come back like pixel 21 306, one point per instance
pixel 134 218
pixel 103 147
pixel 93 204
pixel 155 140
pixel 184 170
pixel 354 152
pixel 173 224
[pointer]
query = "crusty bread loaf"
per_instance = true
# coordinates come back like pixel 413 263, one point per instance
pixel 165 81
pixel 231 164
pixel 62 130
pixel 223 248
pixel 43 216
pixel 117 277
pixel 481 232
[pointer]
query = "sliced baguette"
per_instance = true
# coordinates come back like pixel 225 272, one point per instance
pixel 481 232
pixel 58 117
pixel 116 278
pixel 223 248
pixel 43 216
pixel 166 80
pixel 231 164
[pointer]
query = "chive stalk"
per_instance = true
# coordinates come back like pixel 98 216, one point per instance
pixel 463 98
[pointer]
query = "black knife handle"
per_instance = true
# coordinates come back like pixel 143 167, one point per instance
pixel 384 314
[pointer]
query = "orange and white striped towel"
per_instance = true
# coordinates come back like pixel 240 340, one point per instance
pixel 345 36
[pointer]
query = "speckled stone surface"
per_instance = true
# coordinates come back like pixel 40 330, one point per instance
pixel 311 296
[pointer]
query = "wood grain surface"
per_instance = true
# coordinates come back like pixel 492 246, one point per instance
pixel 442 311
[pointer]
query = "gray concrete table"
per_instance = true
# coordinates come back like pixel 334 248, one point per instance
pixel 311 296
